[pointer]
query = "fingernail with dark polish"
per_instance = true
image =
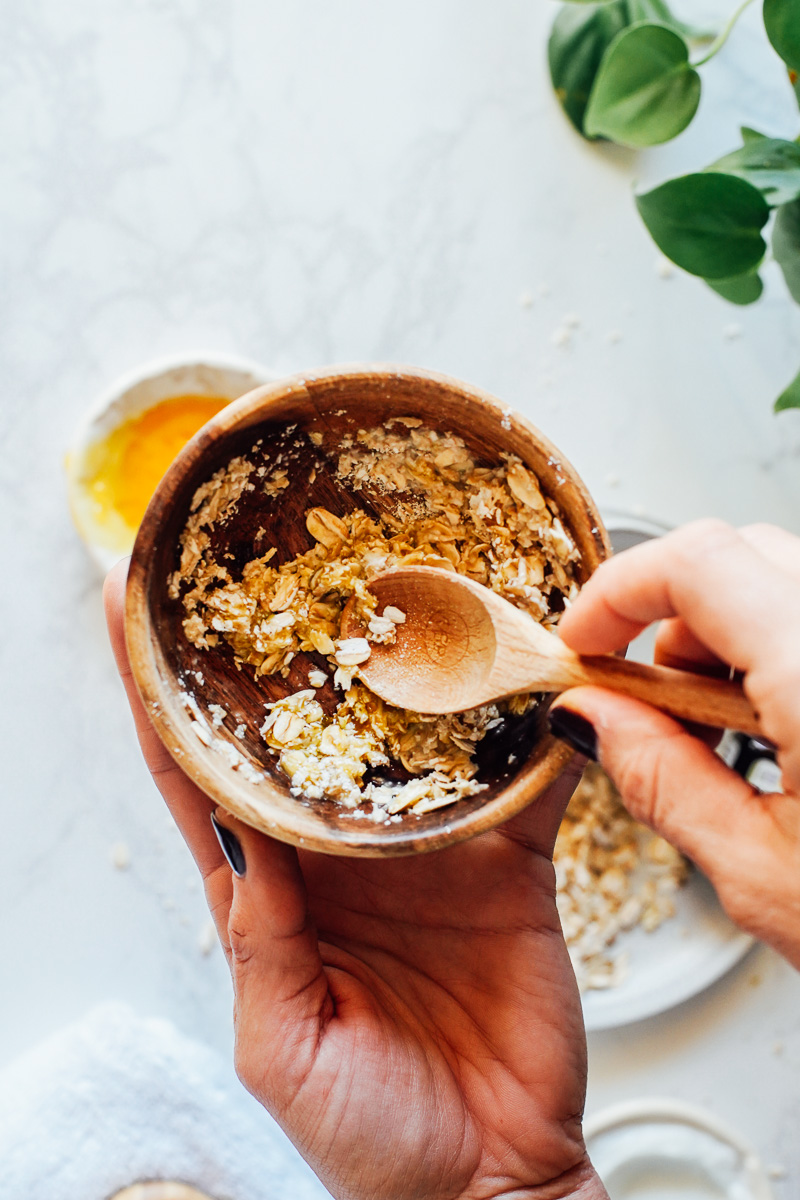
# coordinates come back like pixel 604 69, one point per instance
pixel 231 848
pixel 573 728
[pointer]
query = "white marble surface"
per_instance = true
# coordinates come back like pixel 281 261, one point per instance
pixel 312 182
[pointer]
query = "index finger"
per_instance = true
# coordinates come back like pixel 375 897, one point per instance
pixel 732 598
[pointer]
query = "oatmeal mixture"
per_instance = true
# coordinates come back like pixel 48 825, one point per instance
pixel 612 875
pixel 490 523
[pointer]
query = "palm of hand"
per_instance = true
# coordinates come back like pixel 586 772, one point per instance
pixel 440 1018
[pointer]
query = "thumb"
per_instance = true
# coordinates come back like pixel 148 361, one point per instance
pixel 668 779
pixel 280 987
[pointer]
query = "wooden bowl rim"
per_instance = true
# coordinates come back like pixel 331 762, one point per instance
pixel 299 825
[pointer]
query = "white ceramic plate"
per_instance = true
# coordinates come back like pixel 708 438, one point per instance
pixel 683 957
pixel 699 944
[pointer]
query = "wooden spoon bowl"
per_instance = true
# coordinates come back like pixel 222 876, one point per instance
pixel 329 403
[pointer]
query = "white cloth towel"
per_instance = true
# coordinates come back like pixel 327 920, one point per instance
pixel 115 1099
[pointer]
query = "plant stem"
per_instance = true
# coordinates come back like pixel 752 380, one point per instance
pixel 719 42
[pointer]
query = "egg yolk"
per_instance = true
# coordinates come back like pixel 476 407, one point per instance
pixel 127 466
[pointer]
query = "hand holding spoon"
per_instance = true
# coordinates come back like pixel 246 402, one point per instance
pixel 462 645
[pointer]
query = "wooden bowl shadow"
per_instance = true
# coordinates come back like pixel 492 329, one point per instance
pixel 267 426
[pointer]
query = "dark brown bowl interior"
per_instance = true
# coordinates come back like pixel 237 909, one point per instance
pixel 165 664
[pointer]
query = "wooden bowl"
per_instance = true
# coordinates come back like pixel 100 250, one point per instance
pixel 330 402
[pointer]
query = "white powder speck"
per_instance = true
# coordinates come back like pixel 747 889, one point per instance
pixel 664 268
pixel 732 332
pixel 207 939
pixel 526 298
pixel 571 321
pixel 561 337
pixel 613 337
pixel 120 856
pixel 240 731
pixel 218 714
pixel 612 480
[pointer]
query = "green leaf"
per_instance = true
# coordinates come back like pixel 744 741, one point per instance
pixel 645 92
pixel 782 23
pixel 741 289
pixel 790 397
pixel 578 41
pixel 751 135
pixel 594 3
pixel 786 246
pixel 708 224
pixel 659 11
pixel 771 164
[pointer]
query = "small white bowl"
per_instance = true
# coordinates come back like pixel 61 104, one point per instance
pixel 659 1149
pixel 222 375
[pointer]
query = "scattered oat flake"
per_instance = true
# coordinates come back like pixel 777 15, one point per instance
pixel 612 875
pixel 120 856
pixel 350 652
pixel 218 714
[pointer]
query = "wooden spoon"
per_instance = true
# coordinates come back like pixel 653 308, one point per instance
pixel 462 645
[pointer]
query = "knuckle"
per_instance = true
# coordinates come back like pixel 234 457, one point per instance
pixel 789 763
pixel 241 943
pixel 639 781
pixel 772 689
pixel 758 531
pixel 738 900
pixel 646 781
pixel 700 538
pixel 752 892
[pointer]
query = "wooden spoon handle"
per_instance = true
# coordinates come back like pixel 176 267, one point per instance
pixel 716 702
